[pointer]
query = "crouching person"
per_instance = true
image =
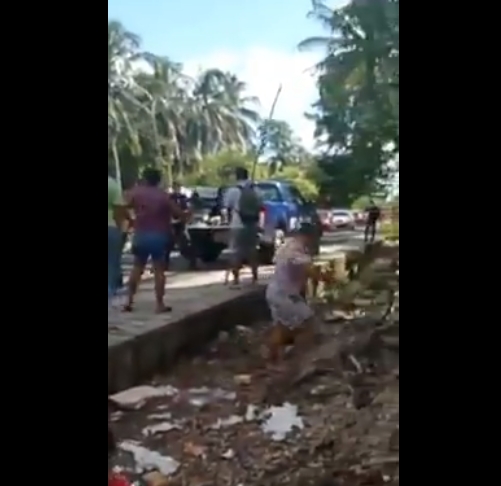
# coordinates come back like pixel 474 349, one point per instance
pixel 293 318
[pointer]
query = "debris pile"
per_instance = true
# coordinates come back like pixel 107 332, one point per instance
pixel 330 417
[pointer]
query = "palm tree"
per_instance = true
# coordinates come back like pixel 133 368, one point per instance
pixel 158 113
pixel 164 95
pixel 362 48
pixel 122 52
pixel 360 69
pixel 225 115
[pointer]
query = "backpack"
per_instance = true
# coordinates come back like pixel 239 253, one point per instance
pixel 249 205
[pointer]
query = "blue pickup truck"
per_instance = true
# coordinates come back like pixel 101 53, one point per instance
pixel 284 210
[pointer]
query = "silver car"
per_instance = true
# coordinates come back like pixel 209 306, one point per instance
pixel 342 219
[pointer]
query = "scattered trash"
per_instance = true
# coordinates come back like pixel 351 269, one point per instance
pixel 232 418
pixel 139 395
pixel 227 422
pixel 229 454
pixel 160 428
pixel 244 329
pixel 281 420
pixel 145 459
pixel 160 416
pixel 242 379
pixel 251 413
pixel 198 397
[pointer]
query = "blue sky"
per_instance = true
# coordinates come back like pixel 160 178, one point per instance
pixel 256 39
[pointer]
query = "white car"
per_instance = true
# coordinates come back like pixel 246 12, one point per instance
pixel 342 219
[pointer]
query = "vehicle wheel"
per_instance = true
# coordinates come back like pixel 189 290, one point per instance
pixel 186 250
pixel 188 253
pixel 266 254
pixel 210 253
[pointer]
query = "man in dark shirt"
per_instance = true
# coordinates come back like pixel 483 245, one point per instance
pixel 216 209
pixel 178 197
pixel 178 226
pixel 195 202
pixel 154 211
pixel 373 214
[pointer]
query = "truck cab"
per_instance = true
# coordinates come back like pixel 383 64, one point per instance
pixel 284 209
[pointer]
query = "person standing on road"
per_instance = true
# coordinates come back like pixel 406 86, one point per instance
pixel 195 201
pixel 244 207
pixel 373 214
pixel 154 210
pixel 179 226
pixel 117 214
pixel 216 209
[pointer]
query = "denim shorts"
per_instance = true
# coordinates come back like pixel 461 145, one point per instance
pixel 150 244
pixel 114 259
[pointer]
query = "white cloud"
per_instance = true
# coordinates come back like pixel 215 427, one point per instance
pixel 263 70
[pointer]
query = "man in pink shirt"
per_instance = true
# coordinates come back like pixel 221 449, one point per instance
pixel 153 211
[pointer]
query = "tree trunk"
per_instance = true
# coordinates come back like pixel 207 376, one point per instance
pixel 116 160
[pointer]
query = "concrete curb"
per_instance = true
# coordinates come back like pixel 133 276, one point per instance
pixel 134 361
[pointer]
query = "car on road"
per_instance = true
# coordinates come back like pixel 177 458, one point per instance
pixel 342 219
pixel 325 216
pixel 360 217
pixel 284 209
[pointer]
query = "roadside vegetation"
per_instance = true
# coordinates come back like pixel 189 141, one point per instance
pixel 197 128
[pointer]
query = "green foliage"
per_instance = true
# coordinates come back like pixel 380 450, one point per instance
pixel 363 201
pixel 219 170
pixel 281 147
pixel 390 230
pixel 357 111
pixel 198 130
pixel 162 117
pixel 301 179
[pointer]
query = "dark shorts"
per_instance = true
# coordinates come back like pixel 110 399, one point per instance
pixel 244 241
pixel 150 244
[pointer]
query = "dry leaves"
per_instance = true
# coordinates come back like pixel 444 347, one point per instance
pixel 154 478
pixel 195 450
pixel 346 389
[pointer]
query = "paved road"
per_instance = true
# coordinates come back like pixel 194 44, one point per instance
pixel 179 264
pixel 193 291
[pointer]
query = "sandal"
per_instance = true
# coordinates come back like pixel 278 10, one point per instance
pixel 163 310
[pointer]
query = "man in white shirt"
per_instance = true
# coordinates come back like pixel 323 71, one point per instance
pixel 232 197
pixel 244 237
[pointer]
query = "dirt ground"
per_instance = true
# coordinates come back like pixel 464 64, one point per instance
pixel 330 417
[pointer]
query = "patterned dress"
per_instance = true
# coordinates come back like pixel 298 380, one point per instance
pixel 283 294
